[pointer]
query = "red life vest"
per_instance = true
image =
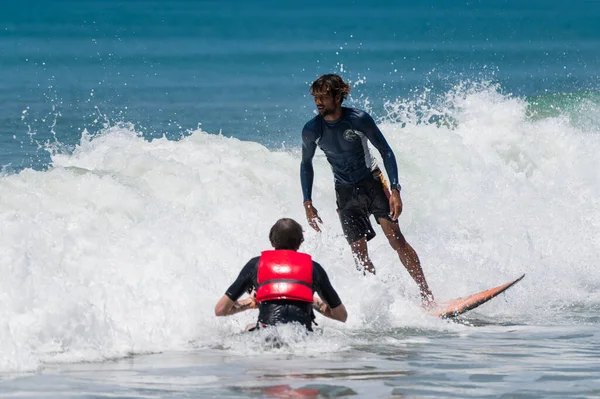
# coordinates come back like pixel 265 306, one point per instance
pixel 284 274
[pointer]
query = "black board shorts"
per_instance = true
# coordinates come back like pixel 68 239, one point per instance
pixel 356 202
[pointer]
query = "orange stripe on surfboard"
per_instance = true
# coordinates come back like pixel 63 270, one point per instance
pixel 461 305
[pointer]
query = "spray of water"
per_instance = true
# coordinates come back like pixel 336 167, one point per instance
pixel 124 245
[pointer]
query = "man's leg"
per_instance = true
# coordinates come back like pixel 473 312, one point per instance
pixel 360 254
pixel 407 256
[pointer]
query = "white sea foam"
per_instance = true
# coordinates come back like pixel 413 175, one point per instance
pixel 125 245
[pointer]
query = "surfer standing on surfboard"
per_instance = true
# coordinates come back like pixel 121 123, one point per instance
pixel 342 134
pixel 284 281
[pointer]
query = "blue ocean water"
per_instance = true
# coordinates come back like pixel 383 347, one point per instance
pixel 243 68
pixel 146 148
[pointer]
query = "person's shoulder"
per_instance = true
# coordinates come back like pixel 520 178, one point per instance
pixel 311 125
pixel 361 118
pixel 311 132
pixel 253 261
pixel 317 267
pixel 355 113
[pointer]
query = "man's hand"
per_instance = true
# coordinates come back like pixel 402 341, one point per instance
pixel 227 307
pixel 319 305
pixel 312 215
pixel 338 313
pixel 247 303
pixel 395 205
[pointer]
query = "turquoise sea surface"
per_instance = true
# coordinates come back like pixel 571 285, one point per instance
pixel 146 148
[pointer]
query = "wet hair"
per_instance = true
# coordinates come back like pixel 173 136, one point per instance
pixel 332 84
pixel 286 234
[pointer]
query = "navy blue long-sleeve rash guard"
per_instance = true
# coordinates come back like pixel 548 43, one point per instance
pixel 344 143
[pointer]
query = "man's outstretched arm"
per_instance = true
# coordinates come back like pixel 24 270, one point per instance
pixel 307 175
pixel 338 313
pixel 389 161
pixel 229 304
pixel 331 305
pixel 227 307
pixel 380 143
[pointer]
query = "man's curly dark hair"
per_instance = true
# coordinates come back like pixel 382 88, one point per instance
pixel 332 84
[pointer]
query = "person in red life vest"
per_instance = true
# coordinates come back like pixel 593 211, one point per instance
pixel 284 281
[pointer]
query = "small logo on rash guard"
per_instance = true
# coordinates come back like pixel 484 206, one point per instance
pixel 351 135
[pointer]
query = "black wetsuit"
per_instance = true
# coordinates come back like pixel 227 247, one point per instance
pixel 284 311
pixel 344 143
pixel 360 192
